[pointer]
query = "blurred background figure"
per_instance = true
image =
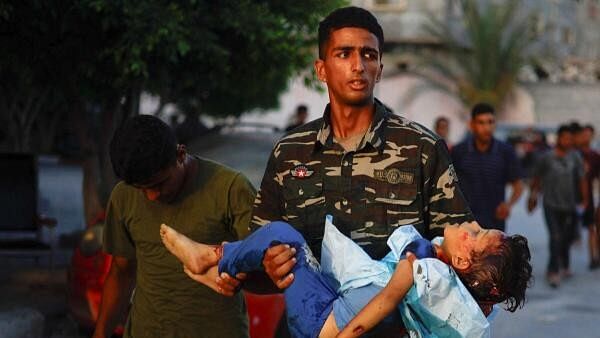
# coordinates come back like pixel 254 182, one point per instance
pixel 559 175
pixel 299 117
pixel 591 160
pixel 442 128
pixel 485 165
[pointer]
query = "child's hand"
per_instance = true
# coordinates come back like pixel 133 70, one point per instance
pixel 410 257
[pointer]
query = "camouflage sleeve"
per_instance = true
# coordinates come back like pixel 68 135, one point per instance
pixel 241 196
pixel 268 204
pixel 446 203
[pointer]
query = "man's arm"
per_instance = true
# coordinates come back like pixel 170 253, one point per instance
pixel 583 187
pixel 534 188
pixel 513 175
pixel 384 302
pixel 503 210
pixel 447 204
pixel 115 295
pixel 278 260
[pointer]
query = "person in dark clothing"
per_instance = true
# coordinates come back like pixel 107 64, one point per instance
pixel 299 118
pixel 555 175
pixel 485 165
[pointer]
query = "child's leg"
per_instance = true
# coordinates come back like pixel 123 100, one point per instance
pixel 309 299
pixel 196 257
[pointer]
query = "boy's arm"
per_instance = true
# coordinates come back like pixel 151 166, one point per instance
pixel 385 302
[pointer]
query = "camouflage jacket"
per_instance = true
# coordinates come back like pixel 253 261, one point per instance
pixel 400 174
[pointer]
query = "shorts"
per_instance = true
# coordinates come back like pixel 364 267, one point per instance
pixel 349 303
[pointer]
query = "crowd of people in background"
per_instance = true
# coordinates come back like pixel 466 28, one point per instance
pixel 564 175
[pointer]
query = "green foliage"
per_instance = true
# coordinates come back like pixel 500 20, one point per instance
pixel 219 58
pixel 211 57
pixel 485 58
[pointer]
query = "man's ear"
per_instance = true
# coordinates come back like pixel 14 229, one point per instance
pixel 378 78
pixel 320 70
pixel 460 262
pixel 181 152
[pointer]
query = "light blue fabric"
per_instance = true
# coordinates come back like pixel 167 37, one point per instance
pixel 438 305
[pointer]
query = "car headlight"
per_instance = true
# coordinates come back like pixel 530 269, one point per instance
pixel 91 241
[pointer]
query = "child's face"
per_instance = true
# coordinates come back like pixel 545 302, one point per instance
pixel 460 241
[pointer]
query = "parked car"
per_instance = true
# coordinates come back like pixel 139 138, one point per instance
pixel 242 149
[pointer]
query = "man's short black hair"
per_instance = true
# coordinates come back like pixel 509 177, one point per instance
pixel 348 17
pixel 564 128
pixel 141 147
pixel 482 108
pixel 590 128
pixel 301 108
pixel 575 127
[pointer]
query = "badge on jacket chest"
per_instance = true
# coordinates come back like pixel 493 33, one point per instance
pixel 394 176
pixel 301 171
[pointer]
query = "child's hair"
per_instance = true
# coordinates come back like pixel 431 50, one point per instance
pixel 500 275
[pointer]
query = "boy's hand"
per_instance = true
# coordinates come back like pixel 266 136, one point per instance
pixel 227 285
pixel 278 261
pixel 410 257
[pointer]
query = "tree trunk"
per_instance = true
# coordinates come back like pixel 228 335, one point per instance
pixel 98 176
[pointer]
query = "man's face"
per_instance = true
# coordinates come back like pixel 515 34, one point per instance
pixel 442 129
pixel 351 67
pixel 565 140
pixel 584 138
pixel 164 185
pixel 483 126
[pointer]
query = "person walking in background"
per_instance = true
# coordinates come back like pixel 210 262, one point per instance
pixel 299 118
pixel 591 160
pixel 555 175
pixel 442 128
pixel 485 165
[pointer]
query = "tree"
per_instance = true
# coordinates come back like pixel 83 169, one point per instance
pixel 87 62
pixel 484 56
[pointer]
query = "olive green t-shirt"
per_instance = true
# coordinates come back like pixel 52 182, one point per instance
pixel 216 206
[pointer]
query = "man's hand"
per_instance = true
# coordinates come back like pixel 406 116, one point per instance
pixel 278 262
pixel 502 211
pixel 227 285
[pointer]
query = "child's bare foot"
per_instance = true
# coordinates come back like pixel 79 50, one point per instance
pixel 196 257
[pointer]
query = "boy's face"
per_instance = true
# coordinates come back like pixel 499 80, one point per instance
pixel 166 184
pixel 564 140
pixel 461 241
pixel 351 67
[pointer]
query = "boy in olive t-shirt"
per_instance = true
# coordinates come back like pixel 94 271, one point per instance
pixel 203 199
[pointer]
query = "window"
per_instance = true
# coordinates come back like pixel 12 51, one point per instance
pixel 387 5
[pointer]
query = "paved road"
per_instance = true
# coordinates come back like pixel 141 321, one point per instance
pixel 573 310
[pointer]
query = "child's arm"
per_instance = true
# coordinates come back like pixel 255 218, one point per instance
pixel 384 303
